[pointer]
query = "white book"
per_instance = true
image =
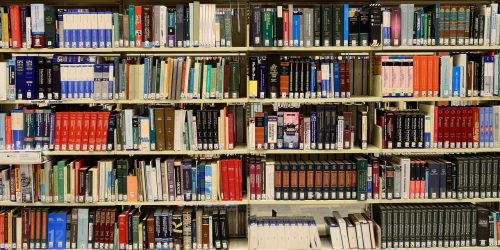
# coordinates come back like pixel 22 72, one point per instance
pixel 28 32
pixel 4 80
pixel 307 133
pixel 251 133
pixel 158 187
pixel 194 144
pixel 486 11
pixel 163 26
pixel 148 182
pixel 343 229
pixel 191 24
pixel 129 138
pixel 493 23
pixel 405 171
pixel 340 132
pixel 489 71
pixel 221 128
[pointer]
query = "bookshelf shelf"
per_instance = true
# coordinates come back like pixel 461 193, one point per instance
pixel 372 201
pixel 357 49
pixel 439 150
pixel 124 203
pixel 127 50
pixel 185 101
pixel 237 150
pixel 438 99
pixel 317 100
pixel 370 149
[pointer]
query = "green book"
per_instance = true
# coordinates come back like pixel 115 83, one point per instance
pixel 208 79
pixel 362 188
pixel 267 28
pixel 235 79
pixel 135 230
pixel 131 25
pixel 59 180
pixel 50 27
pixel 116 30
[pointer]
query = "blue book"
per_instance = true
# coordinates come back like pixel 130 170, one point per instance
pixel 426 181
pixel 266 131
pixel 30 77
pixel 87 32
pixel 101 32
pixel 369 181
pixel 146 78
pixel 108 32
pixel 20 82
pixel 491 126
pixel 110 79
pixel 191 81
pixel 79 82
pixel 96 89
pixel 2 131
pixel 262 74
pixel 17 117
pixel 66 39
pixel 201 181
pixel 336 79
pixel 60 231
pixel 346 24
pixel 79 32
pixel 51 227
pixel 106 89
pixel 325 81
pixel 455 81
pixel 208 182
pixel 313 130
pixel 312 80
pixel 386 31
pixel 482 127
pixel 194 182
pixel 296 28
pixel 94 32
pixel 427 135
pixel 152 131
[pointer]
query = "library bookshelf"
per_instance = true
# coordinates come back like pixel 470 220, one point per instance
pixel 35 157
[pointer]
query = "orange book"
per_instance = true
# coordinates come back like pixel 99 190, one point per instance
pixel 259 130
pixel 416 76
pixel 131 188
pixel 8 132
pixel 425 68
pixel 430 75
pixel 435 76
pixel 15 26
pixel 285 78
pixel 138 26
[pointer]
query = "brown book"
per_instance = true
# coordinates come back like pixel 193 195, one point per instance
pixel 169 128
pixel 347 129
pixel 38 228
pixel 125 32
pixel 25 214
pixel 44 228
pixel 284 77
pixel 110 220
pixel 160 128
pixel 259 130
pixel 150 232
pixel 348 179
pixel 238 28
pixel 205 230
pixel 82 183
pixel 74 227
pixel 147 25
pixel 97 228
pixel 32 233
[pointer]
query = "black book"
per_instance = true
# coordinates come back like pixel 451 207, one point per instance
pixel 327 128
pixel 320 127
pixel 364 27
pixel 273 63
pixel 216 230
pixel 186 27
pixel 56 81
pixel 341 180
pixel 302 75
pixel 224 228
pixel 262 76
pixel 199 129
pixel 179 25
pixel 298 78
pixel 294 180
pixel 376 23
pixel 317 17
pixel 483 226
pixel 111 132
pixel 210 129
pixel 433 179
pixel 278 175
pixel 354 28
pixel 215 129
pixel 333 126
pixel 50 26
pixel 292 81
pixel 41 78
pixel 279 25
pixel 327 29
pixel 339 14
pixel 255 27
pixel 49 93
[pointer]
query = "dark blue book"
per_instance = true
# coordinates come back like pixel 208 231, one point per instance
pixel 30 77
pixel 262 76
pixel 336 79
pixel 20 82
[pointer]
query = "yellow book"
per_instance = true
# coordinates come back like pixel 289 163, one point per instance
pixel 5 28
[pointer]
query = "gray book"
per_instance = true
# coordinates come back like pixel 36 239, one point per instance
pixel 308 31
pixel 228 24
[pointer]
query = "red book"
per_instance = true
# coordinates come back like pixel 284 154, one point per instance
pixel 413 180
pixel 230 131
pixel 435 76
pixel 57 132
pixel 347 80
pixel 225 179
pixel 469 128
pixel 138 26
pixel 286 33
pixel 463 127
pixel 32 231
pixel 85 131
pixel 15 26
pixel 104 133
pixel 252 181
pixel 422 180
pixel 231 179
pixel 451 126
pixel 2 229
pixel 239 180
pixel 78 165
pixel 78 130
pixel 395 26
pixel 92 131
pixel 475 126
pixel 25 215
pixel 301 132
pixel 439 129
pixel 458 128
pixel 98 136
pixel 64 130
pixel 375 179
pixel 258 179
pixel 183 76
pixel 342 70
pixel 71 130
pixel 8 132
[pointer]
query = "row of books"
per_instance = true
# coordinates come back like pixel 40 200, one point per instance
pixel 178 78
pixel 148 26
pixel 91 77
pixel 365 178
pixel 111 228
pixel 159 129
pixel 458 75
pixel 275 76
pixel 324 127
pixel 295 232
pixel 185 129
pixel 438 127
pixel 372 25
pixel 355 231
pixel 172 179
pixel 435 225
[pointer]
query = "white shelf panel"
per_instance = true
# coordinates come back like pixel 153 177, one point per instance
pixel 20 157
